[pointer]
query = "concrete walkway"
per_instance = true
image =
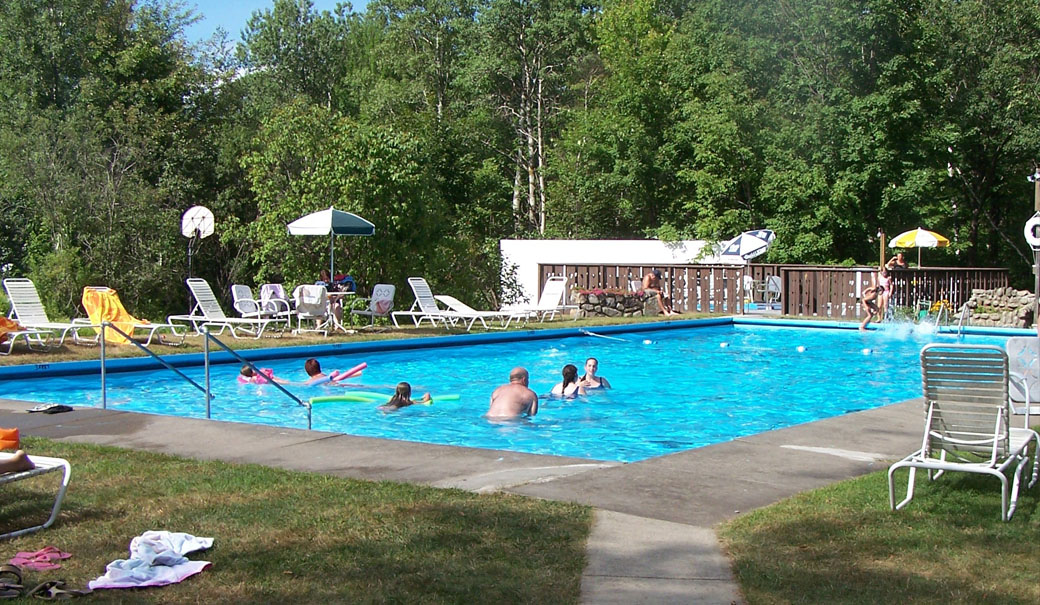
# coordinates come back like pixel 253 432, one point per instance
pixel 652 541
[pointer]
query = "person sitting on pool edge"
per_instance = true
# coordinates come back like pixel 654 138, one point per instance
pixel 514 399
pixel 247 375
pixel 569 387
pixel 590 380
pixel 652 285
pixel 402 398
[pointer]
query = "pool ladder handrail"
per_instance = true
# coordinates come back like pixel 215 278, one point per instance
pixel 939 315
pixel 107 325
pixel 207 338
pixel 965 312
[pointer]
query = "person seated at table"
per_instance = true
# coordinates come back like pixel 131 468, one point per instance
pixel 335 302
pixel 402 398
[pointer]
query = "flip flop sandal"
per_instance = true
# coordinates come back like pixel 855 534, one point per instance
pixel 35 563
pixel 52 553
pixel 10 591
pixel 10 582
pixel 10 574
pixel 55 590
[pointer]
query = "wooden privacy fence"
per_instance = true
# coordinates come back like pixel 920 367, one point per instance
pixel 804 290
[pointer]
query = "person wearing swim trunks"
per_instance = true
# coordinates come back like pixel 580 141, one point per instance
pixel 652 285
pixel 402 398
pixel 870 304
pixel 514 399
pixel 590 380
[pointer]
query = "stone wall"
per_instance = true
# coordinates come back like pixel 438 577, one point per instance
pixel 1004 307
pixel 616 304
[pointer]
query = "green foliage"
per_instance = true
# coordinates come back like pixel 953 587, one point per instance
pixel 455 123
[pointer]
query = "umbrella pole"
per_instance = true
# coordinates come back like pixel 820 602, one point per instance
pixel 918 256
pixel 332 258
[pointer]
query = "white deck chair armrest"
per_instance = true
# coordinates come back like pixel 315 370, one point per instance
pixel 1024 385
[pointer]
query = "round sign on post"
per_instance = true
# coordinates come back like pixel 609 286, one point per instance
pixel 1032 231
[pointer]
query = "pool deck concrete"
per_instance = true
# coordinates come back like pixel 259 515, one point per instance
pixel 653 539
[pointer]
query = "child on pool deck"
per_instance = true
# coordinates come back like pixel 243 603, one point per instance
pixel 402 398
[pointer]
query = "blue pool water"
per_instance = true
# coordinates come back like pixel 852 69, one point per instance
pixel 673 390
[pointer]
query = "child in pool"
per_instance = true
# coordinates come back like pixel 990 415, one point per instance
pixel 402 398
pixel 247 375
pixel 570 386
pixel 314 373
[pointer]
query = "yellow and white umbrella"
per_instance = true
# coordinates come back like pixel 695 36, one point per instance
pixel 919 238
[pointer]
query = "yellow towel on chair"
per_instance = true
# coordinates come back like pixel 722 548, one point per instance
pixel 103 304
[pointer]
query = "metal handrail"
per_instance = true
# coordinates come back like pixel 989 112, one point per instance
pixel 207 337
pixel 939 315
pixel 107 325
pixel 965 312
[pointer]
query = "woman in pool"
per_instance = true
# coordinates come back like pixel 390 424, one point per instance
pixel 569 387
pixel 590 380
pixel 402 398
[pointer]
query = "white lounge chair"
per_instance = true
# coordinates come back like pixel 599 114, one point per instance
pixel 44 465
pixel 379 305
pixel 312 304
pixel 272 304
pixel 35 340
pixel 967 423
pixel 1024 368
pixel 552 301
pixel 27 309
pixel 208 313
pixel 468 314
pixel 425 307
pixel 114 308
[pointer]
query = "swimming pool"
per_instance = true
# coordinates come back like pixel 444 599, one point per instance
pixel 673 389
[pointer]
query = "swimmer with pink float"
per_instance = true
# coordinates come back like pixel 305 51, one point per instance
pixel 311 366
pixel 316 376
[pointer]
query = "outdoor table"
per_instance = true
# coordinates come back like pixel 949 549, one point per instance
pixel 334 323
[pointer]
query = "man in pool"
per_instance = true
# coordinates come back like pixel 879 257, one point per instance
pixel 514 399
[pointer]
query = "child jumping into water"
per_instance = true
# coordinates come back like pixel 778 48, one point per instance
pixel 402 398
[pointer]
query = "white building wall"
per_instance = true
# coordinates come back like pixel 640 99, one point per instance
pixel 527 254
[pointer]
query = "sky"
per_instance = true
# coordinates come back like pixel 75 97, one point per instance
pixel 232 15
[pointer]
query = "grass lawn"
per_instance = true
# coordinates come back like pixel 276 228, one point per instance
pixel 842 544
pixel 292 537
